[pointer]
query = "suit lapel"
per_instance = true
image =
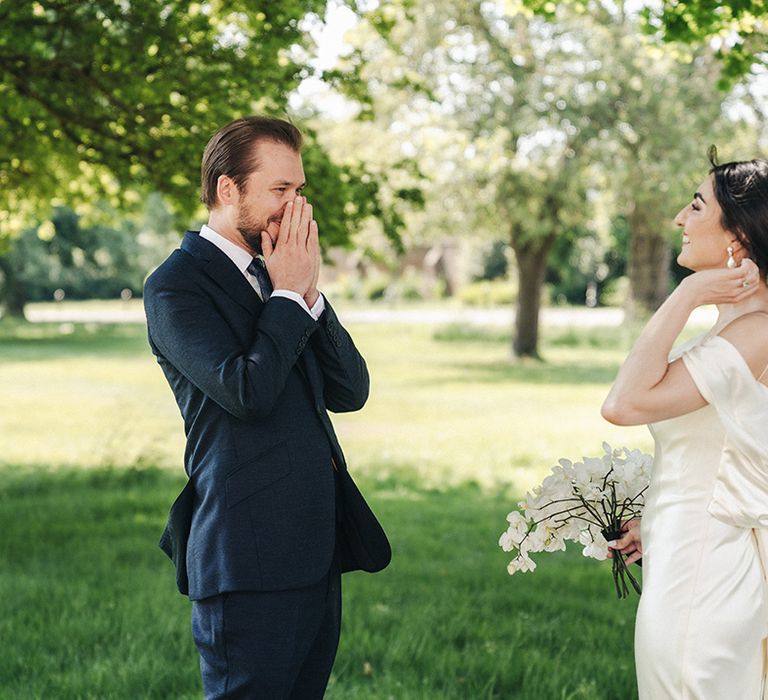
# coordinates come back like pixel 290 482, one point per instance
pixel 223 271
pixel 215 264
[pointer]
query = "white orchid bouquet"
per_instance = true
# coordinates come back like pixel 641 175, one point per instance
pixel 586 502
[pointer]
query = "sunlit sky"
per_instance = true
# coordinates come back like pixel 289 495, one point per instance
pixel 329 37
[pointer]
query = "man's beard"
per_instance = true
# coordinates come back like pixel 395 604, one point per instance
pixel 250 228
pixel 252 238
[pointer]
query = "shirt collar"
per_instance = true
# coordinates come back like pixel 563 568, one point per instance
pixel 239 256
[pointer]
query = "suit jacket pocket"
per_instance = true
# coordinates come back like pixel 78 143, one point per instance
pixel 258 473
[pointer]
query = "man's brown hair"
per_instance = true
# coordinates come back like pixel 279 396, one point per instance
pixel 231 151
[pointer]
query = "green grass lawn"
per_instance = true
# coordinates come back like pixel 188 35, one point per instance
pixel 446 404
pixel 453 433
pixel 88 607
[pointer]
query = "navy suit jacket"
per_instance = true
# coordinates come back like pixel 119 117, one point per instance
pixel 253 382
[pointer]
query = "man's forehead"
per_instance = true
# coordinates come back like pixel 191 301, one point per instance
pixel 279 163
pixel 274 150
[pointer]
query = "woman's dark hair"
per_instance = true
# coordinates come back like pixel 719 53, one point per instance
pixel 231 151
pixel 741 189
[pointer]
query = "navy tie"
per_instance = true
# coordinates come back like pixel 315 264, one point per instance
pixel 259 270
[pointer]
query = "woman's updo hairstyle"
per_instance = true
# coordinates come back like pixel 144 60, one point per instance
pixel 741 189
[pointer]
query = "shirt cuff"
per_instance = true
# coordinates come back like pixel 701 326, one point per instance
pixel 317 308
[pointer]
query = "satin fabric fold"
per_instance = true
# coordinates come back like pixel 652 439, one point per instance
pixel 703 616
pixel 740 495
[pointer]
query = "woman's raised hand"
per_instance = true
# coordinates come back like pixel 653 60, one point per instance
pixel 722 285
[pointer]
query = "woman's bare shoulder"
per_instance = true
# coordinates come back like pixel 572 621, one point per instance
pixel 749 335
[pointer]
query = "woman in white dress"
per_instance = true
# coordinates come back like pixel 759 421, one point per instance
pixel 702 621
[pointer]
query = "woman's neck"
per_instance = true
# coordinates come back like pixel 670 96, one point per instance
pixel 729 312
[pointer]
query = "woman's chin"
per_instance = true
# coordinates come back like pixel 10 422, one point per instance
pixel 684 261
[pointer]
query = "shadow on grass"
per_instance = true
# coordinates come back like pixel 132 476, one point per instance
pixel 20 341
pixel 610 338
pixel 537 372
pixel 90 603
pixel 530 371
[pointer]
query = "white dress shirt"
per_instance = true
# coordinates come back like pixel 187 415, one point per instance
pixel 242 259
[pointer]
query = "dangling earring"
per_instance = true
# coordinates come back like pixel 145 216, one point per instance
pixel 731 262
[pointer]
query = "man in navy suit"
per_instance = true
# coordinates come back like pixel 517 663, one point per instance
pixel 255 357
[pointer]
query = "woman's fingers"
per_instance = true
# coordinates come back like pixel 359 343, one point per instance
pixel 622 542
pixel 749 280
pixel 637 555
pixel 629 542
pixel 725 285
pixel 748 266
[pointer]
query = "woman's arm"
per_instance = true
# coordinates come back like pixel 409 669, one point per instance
pixel 648 387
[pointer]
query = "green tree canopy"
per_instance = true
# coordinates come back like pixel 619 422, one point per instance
pixel 558 113
pixel 105 99
pixel 109 100
pixel 739 28
pixel 102 97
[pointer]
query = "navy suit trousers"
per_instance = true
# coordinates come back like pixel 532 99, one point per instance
pixel 270 645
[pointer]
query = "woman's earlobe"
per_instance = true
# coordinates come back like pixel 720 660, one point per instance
pixel 737 245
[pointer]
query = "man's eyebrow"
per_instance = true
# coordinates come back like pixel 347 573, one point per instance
pixel 287 183
pixel 697 195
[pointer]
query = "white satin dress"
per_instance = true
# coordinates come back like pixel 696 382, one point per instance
pixel 702 620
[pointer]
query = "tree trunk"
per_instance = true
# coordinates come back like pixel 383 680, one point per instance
pixel 531 260
pixel 647 267
pixel 13 295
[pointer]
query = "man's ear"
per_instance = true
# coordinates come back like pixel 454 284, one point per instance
pixel 226 190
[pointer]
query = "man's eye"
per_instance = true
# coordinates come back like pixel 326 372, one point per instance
pixel 694 207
